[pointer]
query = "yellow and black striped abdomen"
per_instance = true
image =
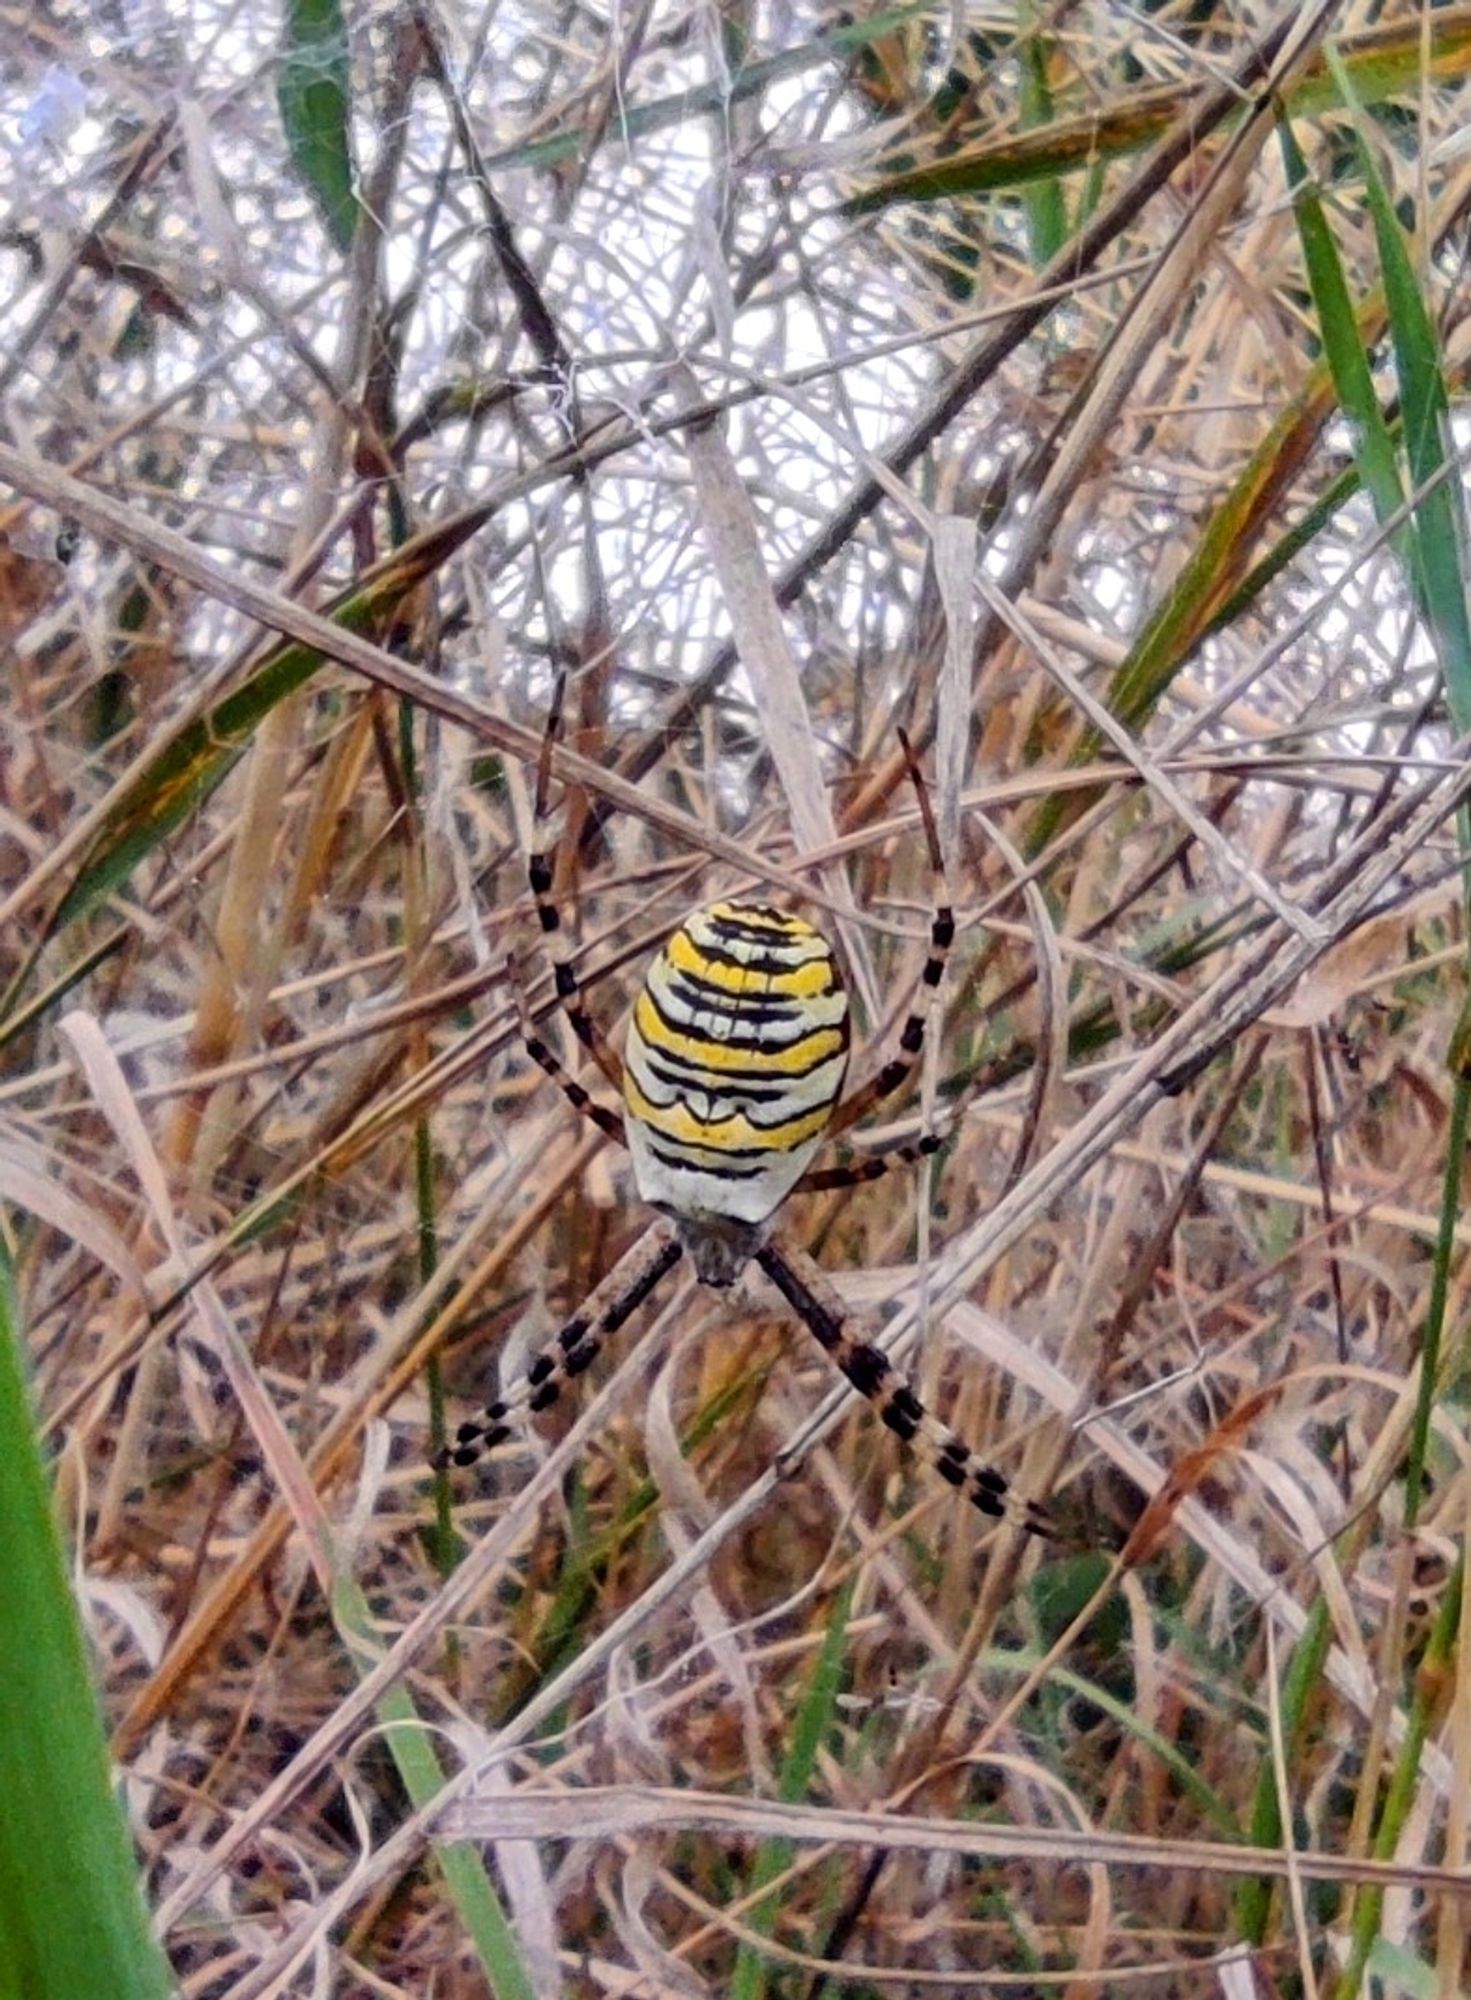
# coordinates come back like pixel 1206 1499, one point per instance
pixel 734 1062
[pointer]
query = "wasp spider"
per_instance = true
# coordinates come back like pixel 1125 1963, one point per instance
pixel 731 1080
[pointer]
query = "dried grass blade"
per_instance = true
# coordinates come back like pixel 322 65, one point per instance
pixel 955 540
pixel 1383 62
pixel 763 649
pixel 410 1745
pixel 27 1178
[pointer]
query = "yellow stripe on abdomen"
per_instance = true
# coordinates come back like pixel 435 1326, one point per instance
pixel 724 1131
pixel 727 1056
pixel 801 978
pixel 734 1061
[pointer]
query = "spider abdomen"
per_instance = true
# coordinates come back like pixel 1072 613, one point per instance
pixel 734 1062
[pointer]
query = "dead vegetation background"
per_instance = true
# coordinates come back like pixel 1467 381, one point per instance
pixel 608 371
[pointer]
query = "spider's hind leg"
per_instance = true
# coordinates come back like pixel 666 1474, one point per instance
pixel 574 1347
pixel 874 1165
pixel 873 1375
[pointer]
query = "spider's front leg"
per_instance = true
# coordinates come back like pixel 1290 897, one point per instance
pixel 875 1376
pixel 541 868
pixel 911 1036
pixel 573 1348
pixel 550 1063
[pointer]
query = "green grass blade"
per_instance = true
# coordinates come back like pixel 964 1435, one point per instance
pixel 1024 158
pixel 71 1919
pixel 1047 221
pixel 1432 1683
pixel 183 776
pixel 1211 576
pixel 1289 546
pixel 1218 581
pixel 411 1746
pixel 814 1720
pixel 1131 1724
pixel 14 1023
pixel 1353 377
pixel 1304 1672
pixel 312 89
pixel 1440 1281
pixel 194 760
pixel 1439 532
pixel 1426 417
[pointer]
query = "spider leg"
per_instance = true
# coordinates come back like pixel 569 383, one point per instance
pixel 545 1057
pixel 873 1375
pixel 873 1166
pixel 573 1348
pixel 541 871
pixel 942 936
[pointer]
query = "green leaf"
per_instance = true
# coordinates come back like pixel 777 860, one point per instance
pixel 1299 1684
pixel 312 89
pixel 1426 415
pixel 1047 223
pixel 1348 358
pixel 1400 1971
pixel 814 1720
pixel 71 1917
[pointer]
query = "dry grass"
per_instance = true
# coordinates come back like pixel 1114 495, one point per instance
pixel 740 1698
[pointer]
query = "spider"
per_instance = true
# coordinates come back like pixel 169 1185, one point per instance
pixel 731 1081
